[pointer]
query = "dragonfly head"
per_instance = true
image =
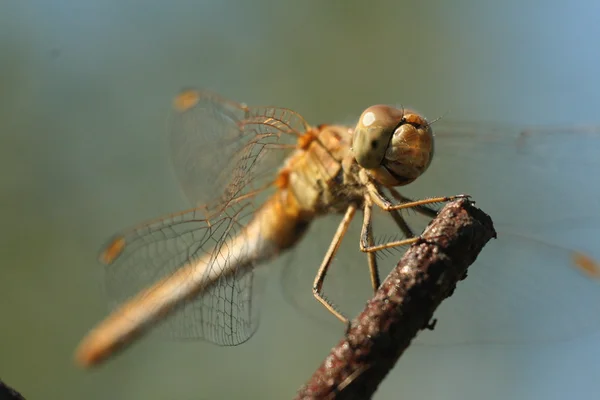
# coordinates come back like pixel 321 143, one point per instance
pixel 394 145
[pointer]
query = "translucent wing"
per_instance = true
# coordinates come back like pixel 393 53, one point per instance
pixel 221 149
pixel 534 283
pixel 223 314
pixel 540 188
pixel 225 154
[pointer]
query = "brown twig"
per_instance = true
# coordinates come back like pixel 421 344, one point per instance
pixel 403 305
pixel 8 393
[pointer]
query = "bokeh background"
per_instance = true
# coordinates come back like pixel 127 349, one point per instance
pixel 85 87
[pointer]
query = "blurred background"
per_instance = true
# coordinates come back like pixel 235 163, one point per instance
pixel 85 87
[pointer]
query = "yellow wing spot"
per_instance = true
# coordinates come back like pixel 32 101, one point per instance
pixel 186 100
pixel 113 250
pixel 587 265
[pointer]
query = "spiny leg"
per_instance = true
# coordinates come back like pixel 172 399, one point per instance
pixel 366 232
pixel 333 248
pixel 424 210
pixel 402 224
pixel 399 219
pixel 381 201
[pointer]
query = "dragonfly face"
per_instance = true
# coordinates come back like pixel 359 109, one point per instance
pixel 395 145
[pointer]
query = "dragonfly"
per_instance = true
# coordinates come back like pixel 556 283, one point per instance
pixel 260 177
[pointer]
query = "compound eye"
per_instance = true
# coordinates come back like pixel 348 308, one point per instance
pixel 373 133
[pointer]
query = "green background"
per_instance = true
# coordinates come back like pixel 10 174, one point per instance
pixel 84 91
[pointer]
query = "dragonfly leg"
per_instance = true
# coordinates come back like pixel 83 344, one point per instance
pixel 384 203
pixel 366 234
pixel 423 209
pixel 402 224
pixel 348 381
pixel 372 259
pixel 333 248
pixel 367 237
